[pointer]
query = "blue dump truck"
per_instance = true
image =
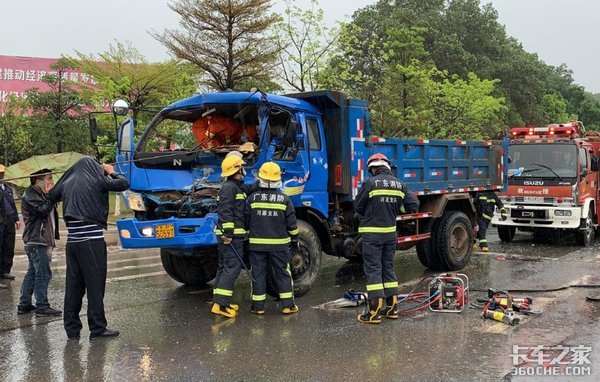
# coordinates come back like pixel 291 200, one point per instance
pixel 321 140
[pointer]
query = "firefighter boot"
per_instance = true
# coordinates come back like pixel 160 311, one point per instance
pixel 485 248
pixel 391 310
pixel 373 315
pixel 290 310
pixel 225 310
pixel 256 309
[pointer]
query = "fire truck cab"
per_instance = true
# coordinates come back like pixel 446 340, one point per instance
pixel 552 181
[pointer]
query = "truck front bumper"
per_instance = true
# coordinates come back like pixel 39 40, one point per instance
pixel 555 217
pixel 186 233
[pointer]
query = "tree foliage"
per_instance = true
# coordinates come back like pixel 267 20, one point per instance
pixel 225 39
pixel 122 72
pixel 15 136
pixel 303 41
pixel 58 122
pixel 461 39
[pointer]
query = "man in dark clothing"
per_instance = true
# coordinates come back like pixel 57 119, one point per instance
pixel 8 227
pixel 485 205
pixel 84 191
pixel 273 231
pixel 231 219
pixel 380 200
pixel 39 234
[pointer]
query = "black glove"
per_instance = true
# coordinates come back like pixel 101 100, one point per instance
pixel 294 246
pixel 503 214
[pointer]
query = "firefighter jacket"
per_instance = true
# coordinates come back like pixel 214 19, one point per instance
pixel 486 203
pixel 271 220
pixel 231 209
pixel 380 200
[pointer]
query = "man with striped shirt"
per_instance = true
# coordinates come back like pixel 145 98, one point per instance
pixel 84 191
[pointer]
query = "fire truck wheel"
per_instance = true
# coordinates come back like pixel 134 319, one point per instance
pixel 585 233
pixel 506 233
pixel 196 270
pixel 453 240
pixel 304 265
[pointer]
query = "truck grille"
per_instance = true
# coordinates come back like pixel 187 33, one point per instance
pixel 529 214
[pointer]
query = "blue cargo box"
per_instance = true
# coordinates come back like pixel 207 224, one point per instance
pixel 434 166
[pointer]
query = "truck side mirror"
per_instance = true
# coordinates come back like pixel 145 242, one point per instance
pixel 594 164
pixel 126 136
pixel 93 129
pixel 120 107
pixel 584 172
pixel 290 134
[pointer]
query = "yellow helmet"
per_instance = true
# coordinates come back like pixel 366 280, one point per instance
pixel 231 165
pixel 270 171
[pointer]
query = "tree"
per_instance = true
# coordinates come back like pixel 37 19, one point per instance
pixel 303 42
pixel 14 134
pixel 58 123
pixel 225 39
pixel 122 72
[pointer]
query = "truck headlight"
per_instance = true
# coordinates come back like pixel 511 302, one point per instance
pixel 562 212
pixel 135 201
pixel 148 232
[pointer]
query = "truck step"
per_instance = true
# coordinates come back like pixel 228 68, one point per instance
pixel 418 215
pixel 406 239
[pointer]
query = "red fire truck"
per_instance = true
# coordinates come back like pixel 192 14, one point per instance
pixel 552 181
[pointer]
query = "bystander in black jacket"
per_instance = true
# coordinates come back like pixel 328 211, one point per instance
pixel 84 191
pixel 38 213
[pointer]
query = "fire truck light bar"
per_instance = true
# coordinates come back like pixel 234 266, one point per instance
pixel 552 130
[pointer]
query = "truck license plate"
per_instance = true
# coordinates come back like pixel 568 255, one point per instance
pixel 165 231
pixel 534 199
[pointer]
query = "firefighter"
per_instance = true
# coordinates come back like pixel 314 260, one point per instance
pixel 231 220
pixel 380 200
pixel 485 205
pixel 273 234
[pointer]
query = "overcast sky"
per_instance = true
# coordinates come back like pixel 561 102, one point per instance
pixel 560 31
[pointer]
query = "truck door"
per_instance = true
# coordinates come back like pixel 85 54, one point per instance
pixel 317 155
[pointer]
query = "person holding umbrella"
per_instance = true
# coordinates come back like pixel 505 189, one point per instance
pixel 39 235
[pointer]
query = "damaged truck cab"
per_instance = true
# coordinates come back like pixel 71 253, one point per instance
pixel 321 141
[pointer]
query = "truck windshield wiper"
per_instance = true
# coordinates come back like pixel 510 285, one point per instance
pixel 547 168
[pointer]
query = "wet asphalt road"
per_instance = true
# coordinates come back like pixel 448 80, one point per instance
pixel 169 335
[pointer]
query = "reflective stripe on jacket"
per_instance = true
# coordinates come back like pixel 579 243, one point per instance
pixel 271 220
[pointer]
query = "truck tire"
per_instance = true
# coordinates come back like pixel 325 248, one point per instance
pixel 425 248
pixel 453 240
pixel 506 233
pixel 194 270
pixel 305 265
pixel 585 233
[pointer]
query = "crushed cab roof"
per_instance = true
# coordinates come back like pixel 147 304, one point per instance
pixel 229 97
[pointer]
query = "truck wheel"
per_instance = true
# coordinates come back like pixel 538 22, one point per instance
pixel 197 269
pixel 305 265
pixel 425 247
pixel 585 233
pixel 506 233
pixel 453 240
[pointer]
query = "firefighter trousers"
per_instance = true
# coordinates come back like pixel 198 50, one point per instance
pixel 264 262
pixel 483 225
pixel 227 272
pixel 378 265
